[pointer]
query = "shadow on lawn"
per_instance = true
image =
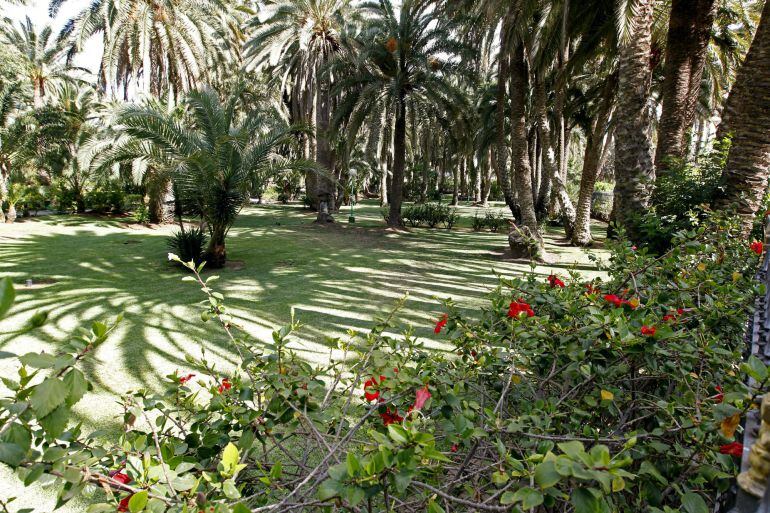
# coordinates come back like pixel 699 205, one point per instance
pixel 336 277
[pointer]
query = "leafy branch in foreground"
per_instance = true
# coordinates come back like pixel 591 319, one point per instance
pixel 561 395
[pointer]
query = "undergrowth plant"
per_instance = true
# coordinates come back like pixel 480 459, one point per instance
pixel 621 395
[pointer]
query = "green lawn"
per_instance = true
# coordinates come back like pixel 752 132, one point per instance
pixel 335 277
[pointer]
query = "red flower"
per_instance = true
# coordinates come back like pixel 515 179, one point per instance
pixel 757 247
pixel 554 281
pixel 454 448
pixel 185 379
pixel 440 324
pixel 370 388
pixel 720 395
pixel 389 417
pixel 421 396
pixel 679 311
pixel 590 289
pixel 516 308
pixel 225 386
pixel 733 449
pixel 669 317
pixel 618 301
pixel 121 477
pixel 648 331
pixel 633 248
pixel 123 504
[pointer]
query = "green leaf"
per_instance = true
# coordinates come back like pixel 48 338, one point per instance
pixel 694 503
pixel 328 489
pixel 649 469
pixel 11 454
pixel 546 475
pixel 137 502
pixel 529 497
pixel 508 498
pixel 230 458
pixel 55 422
pixel 231 492
pixel 241 508
pixel 433 507
pixel 585 501
pixel 355 495
pixel 38 360
pixel 7 296
pixel 352 464
pixel 76 384
pixel 572 449
pixel 397 433
pixel 47 396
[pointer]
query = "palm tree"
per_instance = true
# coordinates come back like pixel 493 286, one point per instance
pixel 13 138
pixel 299 38
pixel 213 155
pixel 41 56
pixel 68 137
pixel 405 65
pixel 152 46
pixel 748 164
pixel 634 172
pixel 689 32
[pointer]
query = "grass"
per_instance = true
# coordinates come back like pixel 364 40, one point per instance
pixel 335 277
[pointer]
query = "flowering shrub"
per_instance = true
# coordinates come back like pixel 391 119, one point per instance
pixel 581 398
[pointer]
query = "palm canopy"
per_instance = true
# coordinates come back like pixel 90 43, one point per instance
pixel 41 56
pixel 212 151
pixel 406 61
pixel 170 44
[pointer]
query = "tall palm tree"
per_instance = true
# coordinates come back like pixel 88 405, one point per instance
pixel 41 55
pixel 213 155
pixel 689 32
pixel 69 136
pixel 405 64
pixel 634 172
pixel 13 138
pixel 299 38
pixel 151 46
pixel 748 164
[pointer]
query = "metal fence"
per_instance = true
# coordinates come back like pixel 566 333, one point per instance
pixel 752 493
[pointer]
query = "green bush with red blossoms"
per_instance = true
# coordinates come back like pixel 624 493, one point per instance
pixel 618 395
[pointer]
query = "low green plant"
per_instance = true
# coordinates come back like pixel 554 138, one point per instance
pixel 491 220
pixel 621 395
pixel 189 244
pixel 430 215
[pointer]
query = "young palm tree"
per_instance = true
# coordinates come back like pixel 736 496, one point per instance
pixel 42 56
pixel 405 64
pixel 299 38
pixel 213 154
pixel 153 46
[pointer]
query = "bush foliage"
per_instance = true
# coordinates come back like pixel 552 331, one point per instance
pixel 560 395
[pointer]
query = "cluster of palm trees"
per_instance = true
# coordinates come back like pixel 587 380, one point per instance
pixel 529 100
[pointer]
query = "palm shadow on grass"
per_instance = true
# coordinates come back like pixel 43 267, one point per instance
pixel 336 278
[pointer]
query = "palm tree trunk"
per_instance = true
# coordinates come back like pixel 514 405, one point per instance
pixel 747 170
pixel 324 154
pixel 3 192
pixel 501 162
pixel 689 30
pixel 456 184
pixel 551 171
pixel 634 171
pixel 216 254
pixel 520 157
pixel 592 160
pixel 486 177
pixel 399 160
